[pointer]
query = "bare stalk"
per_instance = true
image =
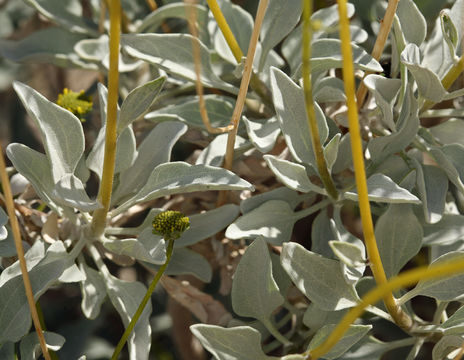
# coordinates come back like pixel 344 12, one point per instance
pixel 20 250
pixel 106 185
pixel 248 69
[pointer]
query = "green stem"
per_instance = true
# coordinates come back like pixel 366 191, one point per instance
pixel 309 103
pixel 106 185
pixel 144 301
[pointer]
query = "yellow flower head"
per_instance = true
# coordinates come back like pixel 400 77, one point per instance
pixel 170 224
pixel 78 103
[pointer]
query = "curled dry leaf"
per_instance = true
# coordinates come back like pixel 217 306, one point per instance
pixel 203 306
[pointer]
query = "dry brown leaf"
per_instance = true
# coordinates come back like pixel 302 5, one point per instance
pixel 203 306
pixel 50 231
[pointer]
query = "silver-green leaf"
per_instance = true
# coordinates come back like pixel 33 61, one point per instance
pixel 173 53
pixel 237 343
pixel 61 131
pixel 138 101
pixel 399 237
pixel 319 278
pixel 180 177
pixel 254 290
pixel 126 297
pixel 354 334
pixel 383 189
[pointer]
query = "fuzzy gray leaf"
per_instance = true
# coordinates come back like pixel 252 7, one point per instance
pixel 126 297
pixel 51 46
pixel 237 343
pixel 383 189
pixel 263 134
pixel 354 334
pixel 290 107
pixel 273 220
pixel 15 317
pixel 93 292
pixel 69 17
pixel 187 262
pixel 70 191
pixel 154 150
pixel 180 177
pixel 147 247
pixel 282 193
pixel 399 237
pixel 319 278
pixel 219 108
pixel 446 288
pixel 428 82
pixel 30 344
pixel 413 31
pixel 207 224
pixel 292 175
pixel 254 290
pixel 35 167
pixel 125 151
pixel 61 131
pixel 281 17
pixel 139 101
pixel 432 185
pixel 173 53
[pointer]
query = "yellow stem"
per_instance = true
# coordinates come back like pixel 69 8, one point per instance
pixel 225 29
pixel 255 83
pixel 399 316
pixel 379 45
pixel 123 19
pixel 192 19
pixel 248 69
pixel 106 185
pixel 453 73
pixel 309 102
pixel 152 5
pixel 404 279
pixel 20 250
